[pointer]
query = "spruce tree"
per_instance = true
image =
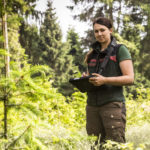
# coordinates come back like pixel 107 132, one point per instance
pixel 29 39
pixel 76 49
pixel 53 52
pixel 50 34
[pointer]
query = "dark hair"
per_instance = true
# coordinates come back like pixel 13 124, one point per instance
pixel 103 21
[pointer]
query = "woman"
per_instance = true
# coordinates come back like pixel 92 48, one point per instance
pixel 105 110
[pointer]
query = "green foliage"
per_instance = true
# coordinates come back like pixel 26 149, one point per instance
pixel 39 116
pixel 78 103
pixel 139 134
pixel 44 119
pixel 140 107
pixel 15 48
pixel 138 114
pixel 18 6
pixel 30 92
pixel 110 145
pixel 34 103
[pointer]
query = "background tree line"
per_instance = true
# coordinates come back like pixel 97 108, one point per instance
pixel 35 66
pixel 43 45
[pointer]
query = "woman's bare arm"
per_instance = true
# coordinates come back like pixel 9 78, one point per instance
pixel 127 77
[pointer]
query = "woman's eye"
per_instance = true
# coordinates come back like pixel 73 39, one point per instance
pixel 102 30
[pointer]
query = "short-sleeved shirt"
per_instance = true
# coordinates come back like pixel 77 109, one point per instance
pixel 123 53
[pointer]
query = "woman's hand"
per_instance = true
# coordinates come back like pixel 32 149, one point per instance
pixel 97 80
pixel 84 74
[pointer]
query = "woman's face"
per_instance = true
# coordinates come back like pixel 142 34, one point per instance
pixel 102 33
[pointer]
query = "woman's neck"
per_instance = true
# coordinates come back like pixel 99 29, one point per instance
pixel 105 45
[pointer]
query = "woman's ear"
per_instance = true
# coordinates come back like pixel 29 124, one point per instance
pixel 111 30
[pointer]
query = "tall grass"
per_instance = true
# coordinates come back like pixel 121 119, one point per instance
pixel 139 135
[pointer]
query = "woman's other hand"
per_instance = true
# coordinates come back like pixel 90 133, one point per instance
pixel 84 74
pixel 97 80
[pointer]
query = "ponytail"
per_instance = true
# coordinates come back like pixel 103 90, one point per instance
pixel 87 56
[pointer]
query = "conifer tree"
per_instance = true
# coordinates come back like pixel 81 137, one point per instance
pixel 76 49
pixel 29 39
pixel 53 52
pixel 51 36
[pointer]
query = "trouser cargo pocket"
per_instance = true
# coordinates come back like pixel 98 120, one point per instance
pixel 114 122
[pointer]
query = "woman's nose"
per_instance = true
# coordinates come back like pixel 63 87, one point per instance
pixel 99 33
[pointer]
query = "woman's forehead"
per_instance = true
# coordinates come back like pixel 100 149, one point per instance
pixel 99 26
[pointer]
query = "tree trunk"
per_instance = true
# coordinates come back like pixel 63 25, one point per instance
pixel 110 11
pixel 5 35
pixel 6 60
pixel 119 14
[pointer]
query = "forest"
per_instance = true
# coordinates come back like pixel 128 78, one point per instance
pixel 40 109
